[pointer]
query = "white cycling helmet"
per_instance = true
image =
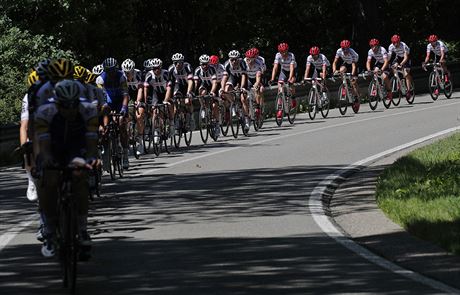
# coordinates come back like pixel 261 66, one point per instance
pixel 156 63
pixel 204 59
pixel 97 70
pixel 234 54
pixel 128 65
pixel 177 57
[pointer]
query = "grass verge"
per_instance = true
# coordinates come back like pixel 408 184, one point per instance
pixel 421 192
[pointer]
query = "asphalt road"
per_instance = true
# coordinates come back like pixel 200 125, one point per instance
pixel 229 217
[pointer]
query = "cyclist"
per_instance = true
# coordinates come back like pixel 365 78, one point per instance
pixel 254 69
pixel 65 129
pixel 399 53
pixel 260 59
pixel 115 87
pixel 206 83
pixel 181 82
pixel 57 70
pixel 349 64
pixel 136 94
pixel 157 80
pixel 379 54
pixel 285 60
pixel 439 50
pixel 317 63
pixel 79 74
pixel 220 69
pixel 235 75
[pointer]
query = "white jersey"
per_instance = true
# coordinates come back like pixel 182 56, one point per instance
pixel 379 56
pixel 437 48
pixel 261 60
pixel 400 50
pixel 136 80
pixel 285 62
pixel 220 70
pixel 348 57
pixel 319 62
pixel 25 108
pixel 252 70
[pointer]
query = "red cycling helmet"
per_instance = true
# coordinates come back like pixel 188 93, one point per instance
pixel 214 59
pixel 345 44
pixel 374 42
pixel 282 47
pixel 432 38
pixel 250 53
pixel 256 51
pixel 314 50
pixel 395 39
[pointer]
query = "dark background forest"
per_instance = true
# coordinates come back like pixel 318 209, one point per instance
pixel 89 31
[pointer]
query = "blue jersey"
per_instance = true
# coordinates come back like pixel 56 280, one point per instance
pixel 115 86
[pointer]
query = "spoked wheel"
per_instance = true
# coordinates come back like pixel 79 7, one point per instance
pixel 325 104
pixel 434 86
pixel 147 138
pixel 373 95
pixel 156 136
pixel 279 109
pixel 411 94
pixel 343 100
pixel 396 90
pixel 108 155
pixel 448 89
pixel 166 138
pixel 212 131
pixel 385 99
pixel 203 125
pixel 292 110
pixel 188 130
pixel 114 156
pixel 133 138
pixel 311 104
pixel 356 104
pixel 243 125
pixel 178 134
pixel 225 122
pixel 260 117
pixel 120 157
pixel 234 121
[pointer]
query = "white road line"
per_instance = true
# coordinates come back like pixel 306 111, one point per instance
pixel 10 234
pixel 324 222
pixel 149 171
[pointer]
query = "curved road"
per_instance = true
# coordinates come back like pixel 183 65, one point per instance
pixel 230 217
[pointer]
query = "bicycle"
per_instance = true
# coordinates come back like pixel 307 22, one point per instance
pixel 376 90
pixel 112 146
pixel 285 104
pixel 399 87
pixel 437 82
pixel 207 122
pixel 182 121
pixel 255 110
pixel 132 130
pixel 160 131
pixel 318 98
pixel 345 94
pixel 232 114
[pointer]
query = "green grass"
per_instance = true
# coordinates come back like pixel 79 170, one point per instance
pixel 421 192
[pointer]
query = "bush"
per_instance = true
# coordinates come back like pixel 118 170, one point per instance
pixel 19 52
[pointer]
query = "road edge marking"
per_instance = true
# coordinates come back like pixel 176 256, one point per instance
pixel 326 224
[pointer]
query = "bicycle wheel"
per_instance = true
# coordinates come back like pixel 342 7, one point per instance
pixel 383 96
pixel 73 249
pixel 343 101
pixel 68 250
pixel 133 138
pixel 279 108
pixel 203 124
pixel 147 139
pixel 243 124
pixel 411 94
pixel 433 85
pixel 113 158
pixel 325 103
pixel 373 95
pixel 166 136
pixel 225 122
pixel 178 122
pixel 120 157
pixel 156 135
pixel 234 120
pixel 260 117
pixel 187 130
pixel 311 104
pixel 396 90
pixel 448 89
pixel 292 106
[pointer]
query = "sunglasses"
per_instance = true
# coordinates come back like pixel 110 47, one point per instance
pixel 177 63
pixel 233 59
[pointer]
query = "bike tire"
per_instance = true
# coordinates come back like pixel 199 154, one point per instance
pixel 243 125
pixel 156 145
pixel 410 99
pixel 343 100
pixel 292 111
pixel 226 122
pixel 311 104
pixel 166 136
pixel 234 120
pixel 280 106
pixel 147 139
pixel 203 125
pixel 178 134
pixel 373 95
pixel 433 86
pixel 325 104
pixel 396 89
pixel 120 157
pixel 448 89
pixel 111 158
pixel 261 117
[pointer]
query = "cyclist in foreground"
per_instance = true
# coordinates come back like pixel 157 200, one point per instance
pixel 65 129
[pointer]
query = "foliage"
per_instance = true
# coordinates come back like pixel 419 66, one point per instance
pixel 421 192
pixel 19 52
